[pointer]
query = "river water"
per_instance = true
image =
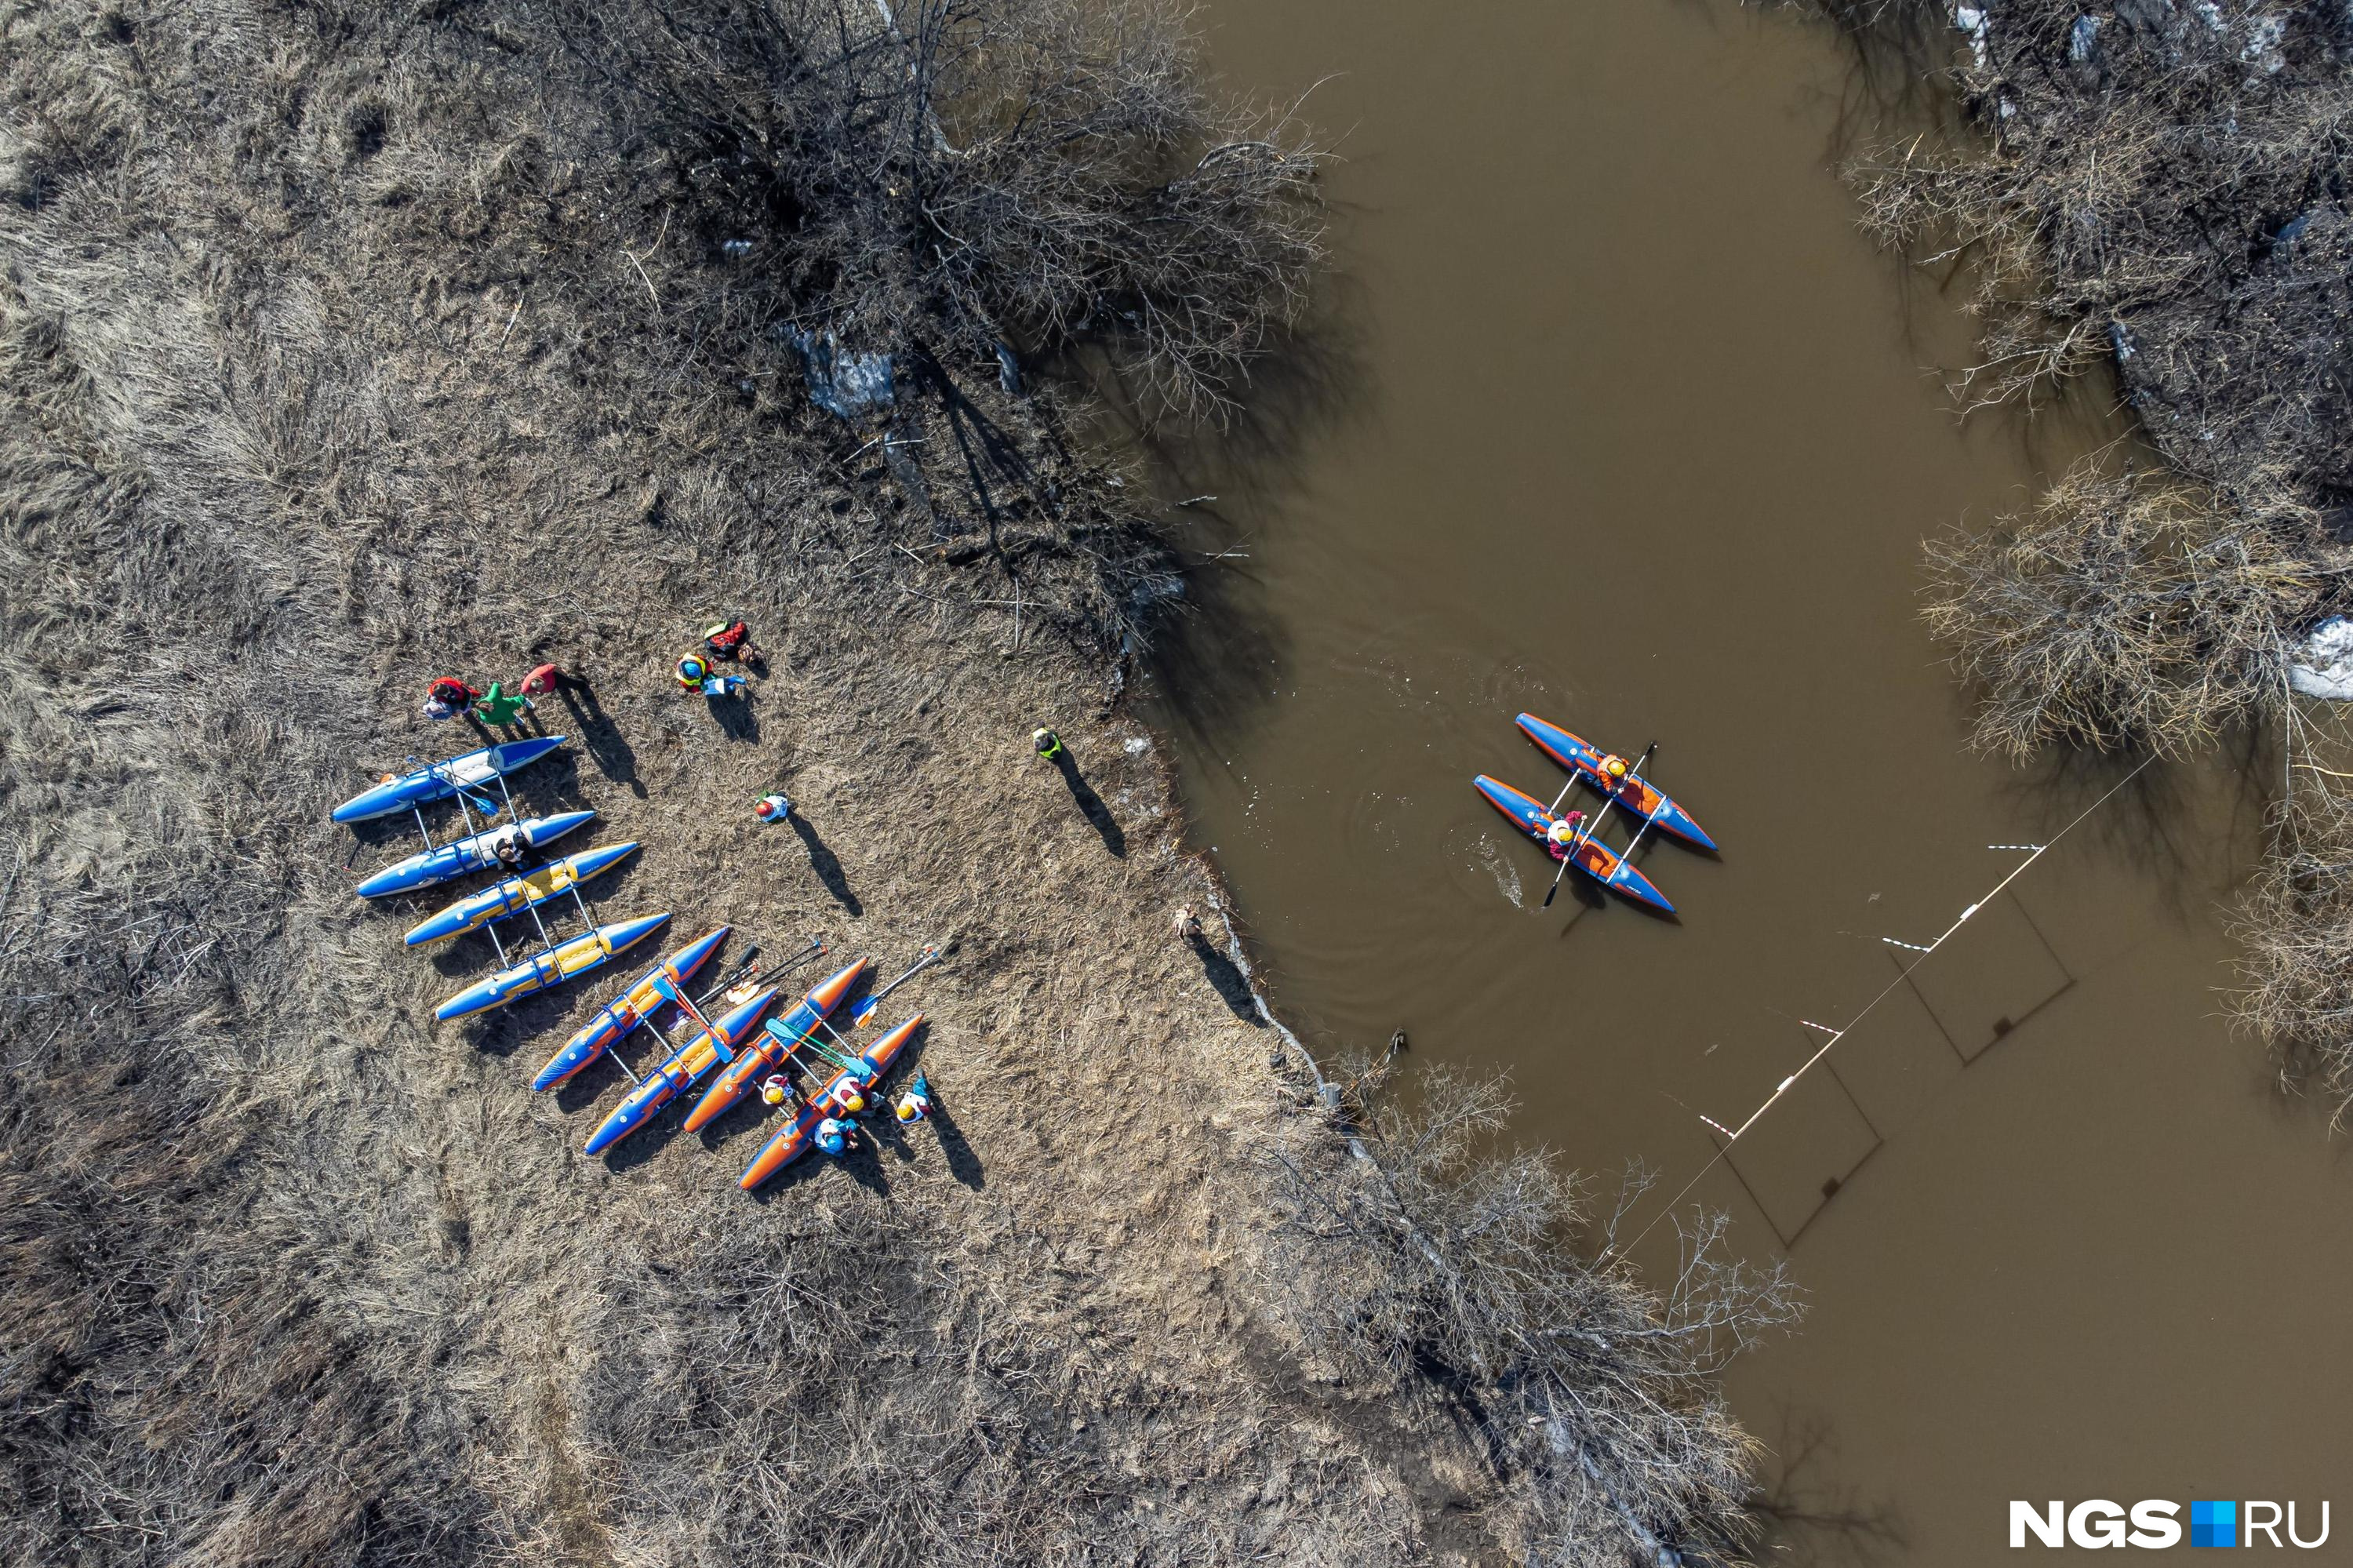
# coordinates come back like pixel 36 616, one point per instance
pixel 1619 419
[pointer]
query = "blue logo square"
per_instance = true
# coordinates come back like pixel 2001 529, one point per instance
pixel 2214 1524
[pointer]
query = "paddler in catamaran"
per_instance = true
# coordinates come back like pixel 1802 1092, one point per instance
pixel 1615 774
pixel 833 1136
pixel 510 849
pixel 1563 833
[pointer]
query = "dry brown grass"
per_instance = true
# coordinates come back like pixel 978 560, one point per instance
pixel 345 347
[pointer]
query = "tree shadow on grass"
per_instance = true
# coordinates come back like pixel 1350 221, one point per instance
pixel 1092 805
pixel 826 866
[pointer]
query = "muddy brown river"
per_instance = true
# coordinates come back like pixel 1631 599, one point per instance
pixel 1620 420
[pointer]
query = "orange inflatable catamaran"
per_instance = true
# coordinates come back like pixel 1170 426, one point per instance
pixel 768 1051
pixel 863 1072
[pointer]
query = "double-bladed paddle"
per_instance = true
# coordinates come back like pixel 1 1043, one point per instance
pixel 873 1000
pixel 1585 834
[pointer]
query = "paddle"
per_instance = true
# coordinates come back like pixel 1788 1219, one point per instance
pixel 815 949
pixel 1626 861
pixel 669 993
pixel 465 792
pixel 872 1000
pixel 1585 834
pixel 850 1063
pixel 742 966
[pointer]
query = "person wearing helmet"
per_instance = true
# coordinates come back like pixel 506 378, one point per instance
pixel 694 675
pixel 1615 774
pixel 850 1099
pixel 915 1105
pixel 1563 833
pixel 774 1091
pixel 773 807
pixel 833 1136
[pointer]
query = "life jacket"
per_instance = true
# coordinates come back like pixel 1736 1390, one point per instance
pixel 690 672
pixel 725 638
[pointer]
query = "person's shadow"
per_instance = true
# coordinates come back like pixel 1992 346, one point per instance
pixel 599 734
pixel 1227 977
pixel 734 716
pixel 1092 805
pixel 963 1163
pixel 827 867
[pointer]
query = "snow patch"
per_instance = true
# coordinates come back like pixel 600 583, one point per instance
pixel 2324 662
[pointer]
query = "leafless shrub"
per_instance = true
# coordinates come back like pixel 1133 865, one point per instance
pixel 2122 613
pixel 2158 187
pixel 2295 929
pixel 1043 174
pixel 1429 1253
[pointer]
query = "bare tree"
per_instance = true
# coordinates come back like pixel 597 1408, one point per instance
pixel 1433 1252
pixel 2296 967
pixel 2123 612
pixel 1037 173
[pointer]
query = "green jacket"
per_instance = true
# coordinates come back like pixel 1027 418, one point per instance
pixel 499 708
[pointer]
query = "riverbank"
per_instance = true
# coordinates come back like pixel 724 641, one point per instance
pixel 341 358
pixel 2154 192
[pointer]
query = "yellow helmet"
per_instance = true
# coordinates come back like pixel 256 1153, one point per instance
pixel 907 1110
pixel 1615 767
pixel 773 1094
pixel 852 1101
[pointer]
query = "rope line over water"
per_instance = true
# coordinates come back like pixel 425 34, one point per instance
pixel 1731 1136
